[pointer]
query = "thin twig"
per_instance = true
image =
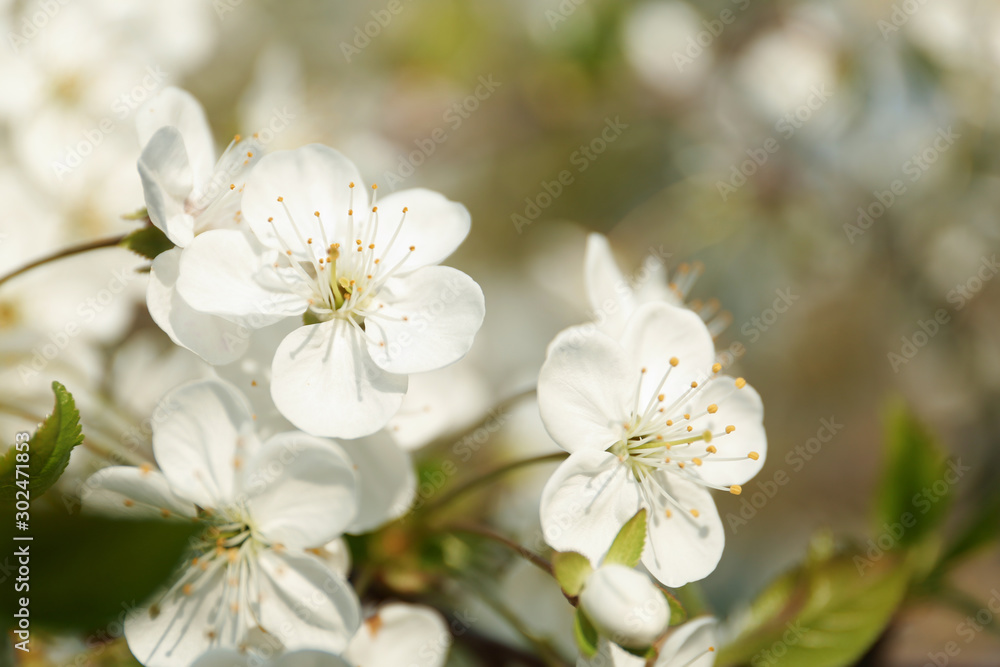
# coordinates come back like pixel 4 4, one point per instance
pixel 490 534
pixel 488 477
pixel 66 252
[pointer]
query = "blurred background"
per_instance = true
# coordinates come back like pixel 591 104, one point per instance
pixel 832 165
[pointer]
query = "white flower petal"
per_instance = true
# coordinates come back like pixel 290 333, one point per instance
pixel 301 491
pixel 311 659
pixel 741 408
pixel 223 657
pixel 177 108
pixel 386 479
pixel 585 390
pixel 608 293
pixel 434 226
pixel 657 332
pixel 199 431
pixel 625 606
pixel 308 179
pixel 178 629
pixel 221 272
pixel 324 381
pixel 683 548
pixel 693 644
pixel 214 339
pixel 612 655
pixel 443 309
pixel 336 555
pixel 304 603
pixel 401 634
pixel 167 182
pixel 133 493
pixel 586 502
pixel 252 374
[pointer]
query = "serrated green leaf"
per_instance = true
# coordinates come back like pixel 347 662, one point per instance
pixel 571 570
pixel 147 241
pixel 585 634
pixel 823 614
pixel 678 614
pixel 628 545
pixel 48 449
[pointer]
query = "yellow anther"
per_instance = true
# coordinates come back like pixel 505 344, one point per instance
pixel 753 455
pixel 695 513
pixel 740 383
pixel 281 199
pixel 694 385
pixel 697 462
pixel 713 408
pixel 711 449
pixel 736 489
pixel 674 361
pixel 716 368
pixel 730 428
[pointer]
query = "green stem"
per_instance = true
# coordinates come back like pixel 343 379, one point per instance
pixel 488 533
pixel 486 478
pixel 66 252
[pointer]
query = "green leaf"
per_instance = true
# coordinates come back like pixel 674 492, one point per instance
pixel 826 613
pixel 628 545
pixel 585 634
pixel 678 614
pixel 916 484
pixel 147 241
pixel 571 570
pixel 48 449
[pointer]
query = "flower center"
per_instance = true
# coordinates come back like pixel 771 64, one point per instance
pixel 340 279
pixel 663 436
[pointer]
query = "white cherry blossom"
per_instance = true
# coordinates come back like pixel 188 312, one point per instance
pixel 188 192
pixel 650 423
pixel 361 277
pixel 272 511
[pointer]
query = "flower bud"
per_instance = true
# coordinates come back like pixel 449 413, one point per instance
pixel 625 606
